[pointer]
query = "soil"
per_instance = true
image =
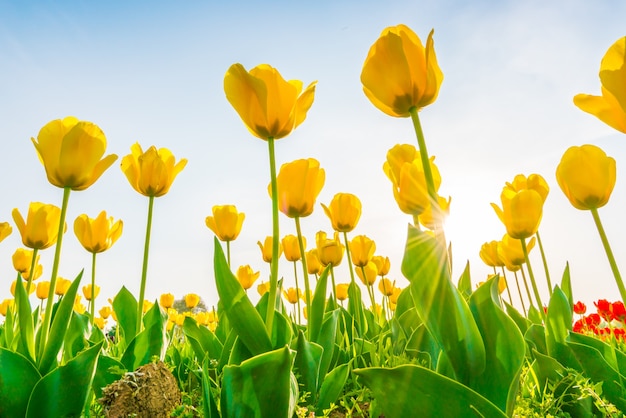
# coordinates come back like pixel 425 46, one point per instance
pixel 151 391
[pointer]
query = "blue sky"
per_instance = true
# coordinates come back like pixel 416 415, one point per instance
pixel 152 72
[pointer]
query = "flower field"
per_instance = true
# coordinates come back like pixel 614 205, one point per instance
pixel 442 346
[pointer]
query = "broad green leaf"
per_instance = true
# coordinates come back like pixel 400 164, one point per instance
pixel 355 308
pixel 76 336
pixel 414 391
pixel 440 305
pixel 60 325
pixel 546 369
pixel 18 377
pixel 535 336
pixel 108 370
pixel 209 407
pixel 202 340
pixel 327 338
pixel 558 327
pixel 522 322
pixel 227 350
pixel 504 348
pixel 24 319
pixel 282 332
pixel 409 320
pixel 405 303
pixel 465 283
pixel 332 387
pixel 318 306
pixel 243 318
pixel 259 387
pixel 125 307
pixel 421 345
pixel 534 315
pixel 615 358
pixel 307 364
pixel 63 391
pixel 149 343
pixel 566 285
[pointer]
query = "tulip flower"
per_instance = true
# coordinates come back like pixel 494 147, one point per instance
pixel 362 250
pixel 343 211
pixel 382 264
pixel 166 300
pixel 330 251
pixel 266 249
pixel 399 73
pixel 386 287
pixel 313 262
pixel 586 175
pixel 246 276
pixel 226 222
pixel 263 288
pixel 610 108
pixel 489 254
pixel 292 295
pixel 393 298
pixel 79 307
pixel 299 183
pixel 580 308
pixel 191 300
pixel 62 286
pixel 105 312
pixel 40 230
pixel 99 234
pixel 368 273
pixel 5 230
pixel 534 182
pixel 42 290
pixel 22 261
pixel 6 305
pixel 147 305
pixel 268 105
pixel 511 253
pixel 91 292
pixel 291 247
pixel 521 212
pixel 71 152
pixel 152 172
pixel 341 290
pixel 431 220
pixel 100 322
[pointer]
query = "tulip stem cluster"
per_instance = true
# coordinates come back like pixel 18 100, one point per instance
pixel 307 288
pixel 45 327
pixel 269 318
pixel 345 238
pixel 144 268
pixel 609 254
pixel 532 278
pixel 545 263
pixel 92 302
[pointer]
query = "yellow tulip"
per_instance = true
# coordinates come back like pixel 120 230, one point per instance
pixel 292 295
pixel 489 254
pixel 399 73
pixel 191 300
pixel 42 290
pixel 329 251
pixel 313 264
pixel 299 183
pixel 291 247
pixel 99 234
pixel 266 249
pixel 341 290
pixel 100 322
pixel 91 293
pixel 166 300
pixel 147 305
pixel 105 312
pixel 5 230
pixel 79 308
pixel 202 318
pixel 587 176
pixel 62 286
pixel 534 182
pixel 40 229
pixel 71 152
pixel 386 287
pixel 521 212
pixel 22 259
pixel 6 305
pixel 382 264
pixel 263 288
pixel 511 253
pixel 610 108
pixel 428 218
pixel 362 250
pixel 393 298
pixel 151 173
pixel 247 276
pixel 367 273
pixel 501 284
pixel 268 105
pixel 226 222
pixel 343 211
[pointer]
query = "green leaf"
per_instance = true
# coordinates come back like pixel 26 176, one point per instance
pixel 76 336
pixel 465 283
pixel 535 336
pixel 108 370
pixel 18 377
pixel 504 348
pixel 318 306
pixel 328 336
pixel 25 320
pixel 282 332
pixel 440 305
pixel 421 344
pixel 260 387
pixel 209 407
pixel 125 307
pixel 355 308
pixel 615 358
pixel 566 285
pixel 60 324
pixel 307 364
pixel 202 340
pixel 243 318
pixel 149 343
pixel 522 322
pixel 558 327
pixel 414 391
pixel 332 387
pixel 63 392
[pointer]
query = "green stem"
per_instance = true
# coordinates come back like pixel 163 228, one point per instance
pixel 369 290
pixel 305 270
pixel 609 254
pixel 545 263
pixel 45 328
pixel 532 279
pixel 295 275
pixel 530 298
pixel 228 253
pixel 345 240
pixel 92 302
pixel 144 269
pixel 332 278
pixel 271 303
pixel 519 291
pixel 31 273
